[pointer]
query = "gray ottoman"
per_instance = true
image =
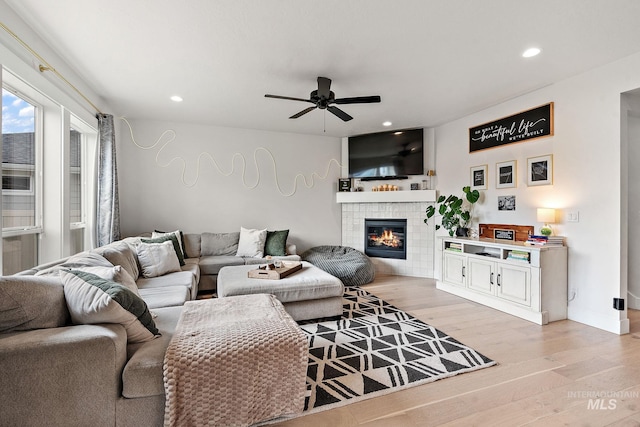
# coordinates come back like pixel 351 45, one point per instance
pixel 310 293
pixel 348 264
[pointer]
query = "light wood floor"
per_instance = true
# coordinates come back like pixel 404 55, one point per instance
pixel 545 377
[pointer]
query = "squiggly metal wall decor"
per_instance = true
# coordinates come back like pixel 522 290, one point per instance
pixel 170 136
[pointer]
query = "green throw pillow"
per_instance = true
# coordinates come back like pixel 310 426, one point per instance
pixel 166 238
pixel 276 243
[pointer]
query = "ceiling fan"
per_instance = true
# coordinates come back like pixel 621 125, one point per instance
pixel 324 98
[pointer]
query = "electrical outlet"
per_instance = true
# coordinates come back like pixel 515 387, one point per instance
pixel 573 216
pixel 618 303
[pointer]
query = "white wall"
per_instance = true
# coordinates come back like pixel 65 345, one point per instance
pixel 153 196
pixel 587 157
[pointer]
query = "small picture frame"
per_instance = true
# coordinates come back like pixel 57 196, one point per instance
pixel 506 174
pixel 344 184
pixel 479 177
pixel 506 203
pixel 540 170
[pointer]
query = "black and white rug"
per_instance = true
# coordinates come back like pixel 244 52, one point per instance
pixel 375 349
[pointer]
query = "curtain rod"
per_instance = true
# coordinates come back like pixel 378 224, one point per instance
pixel 45 66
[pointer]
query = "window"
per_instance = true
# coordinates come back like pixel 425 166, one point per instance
pixel 83 143
pixel 17 183
pixel 75 177
pixel 20 202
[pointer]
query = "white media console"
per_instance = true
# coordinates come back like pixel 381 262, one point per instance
pixel 526 281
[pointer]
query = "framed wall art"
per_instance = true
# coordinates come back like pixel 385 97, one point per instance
pixel 540 170
pixel 506 174
pixel 479 177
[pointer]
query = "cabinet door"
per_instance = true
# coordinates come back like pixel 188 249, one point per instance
pixel 514 284
pixel 453 268
pixel 481 275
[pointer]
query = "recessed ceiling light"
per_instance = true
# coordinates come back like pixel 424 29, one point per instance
pixel 530 52
pixel 387 124
pixel 176 98
pixel 398 133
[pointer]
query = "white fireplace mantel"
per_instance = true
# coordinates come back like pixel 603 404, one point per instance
pixel 386 196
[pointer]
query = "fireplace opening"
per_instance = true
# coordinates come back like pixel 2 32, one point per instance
pixel 385 238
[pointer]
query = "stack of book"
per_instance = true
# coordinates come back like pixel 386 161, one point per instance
pixel 518 255
pixel 535 240
pixel 555 241
pixel 454 246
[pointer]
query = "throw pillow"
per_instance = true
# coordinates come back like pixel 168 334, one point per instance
pixel 121 253
pixel 92 299
pixel 251 242
pixel 276 243
pixel 116 273
pixel 179 235
pixel 219 243
pixel 83 259
pixel 165 238
pixel 29 302
pixel 157 259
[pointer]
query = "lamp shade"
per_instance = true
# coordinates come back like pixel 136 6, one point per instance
pixel 546 215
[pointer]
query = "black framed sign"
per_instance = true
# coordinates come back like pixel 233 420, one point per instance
pixel 344 184
pixel 504 235
pixel 530 124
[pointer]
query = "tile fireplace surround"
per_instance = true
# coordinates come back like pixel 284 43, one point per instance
pixel 419 241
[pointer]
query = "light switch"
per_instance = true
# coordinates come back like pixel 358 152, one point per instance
pixel 573 216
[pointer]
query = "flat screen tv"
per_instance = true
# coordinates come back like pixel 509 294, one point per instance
pixel 386 155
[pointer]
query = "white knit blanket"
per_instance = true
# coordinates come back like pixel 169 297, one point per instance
pixel 234 362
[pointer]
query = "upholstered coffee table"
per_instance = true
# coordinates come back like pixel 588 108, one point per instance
pixel 310 293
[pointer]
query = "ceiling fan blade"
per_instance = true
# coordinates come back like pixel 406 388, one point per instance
pixel 339 113
pixel 324 87
pixel 303 112
pixel 358 100
pixel 287 97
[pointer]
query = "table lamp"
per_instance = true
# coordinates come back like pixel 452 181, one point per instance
pixel 546 216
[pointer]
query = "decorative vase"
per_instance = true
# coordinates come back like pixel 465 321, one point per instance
pixel 462 232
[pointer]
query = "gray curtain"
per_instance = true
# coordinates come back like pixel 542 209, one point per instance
pixel 108 210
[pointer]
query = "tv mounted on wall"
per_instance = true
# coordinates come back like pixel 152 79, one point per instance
pixel 387 155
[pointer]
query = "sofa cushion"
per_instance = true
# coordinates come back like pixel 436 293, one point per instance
pixel 192 265
pixel 157 259
pixel 276 243
pixel 169 296
pixel 92 299
pixel 173 239
pixel 143 375
pixel 219 243
pixel 29 302
pixel 251 242
pixel 83 259
pixel 120 253
pixel 192 244
pixel 179 278
pixel 212 264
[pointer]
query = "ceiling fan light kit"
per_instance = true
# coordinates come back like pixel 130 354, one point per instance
pixel 324 98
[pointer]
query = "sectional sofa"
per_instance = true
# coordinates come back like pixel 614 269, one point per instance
pixel 56 372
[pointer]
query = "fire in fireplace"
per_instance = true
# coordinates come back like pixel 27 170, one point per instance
pixel 385 238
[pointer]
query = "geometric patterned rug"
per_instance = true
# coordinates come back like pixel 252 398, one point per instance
pixel 375 349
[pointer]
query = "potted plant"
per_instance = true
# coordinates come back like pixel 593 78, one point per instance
pixel 456 215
